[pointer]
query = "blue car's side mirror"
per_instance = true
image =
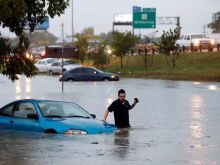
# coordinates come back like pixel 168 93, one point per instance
pixel 32 116
pixel 93 115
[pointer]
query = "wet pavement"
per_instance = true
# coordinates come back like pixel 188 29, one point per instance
pixel 175 122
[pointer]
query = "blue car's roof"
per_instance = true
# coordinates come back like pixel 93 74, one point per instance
pixel 35 101
pixel 38 100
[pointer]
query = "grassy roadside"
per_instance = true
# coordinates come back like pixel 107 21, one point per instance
pixel 196 66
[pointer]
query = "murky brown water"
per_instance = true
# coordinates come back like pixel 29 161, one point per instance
pixel 176 122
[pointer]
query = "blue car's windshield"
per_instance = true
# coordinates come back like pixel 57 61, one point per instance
pixel 62 109
pixel 98 70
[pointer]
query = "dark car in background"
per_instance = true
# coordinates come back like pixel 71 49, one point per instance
pixel 88 74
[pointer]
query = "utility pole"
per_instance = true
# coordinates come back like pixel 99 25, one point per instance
pixel 72 25
pixel 62 25
pixel 204 29
pixel 178 22
pixel 62 53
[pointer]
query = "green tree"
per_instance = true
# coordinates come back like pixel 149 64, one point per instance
pixel 38 38
pixel 215 24
pixel 122 43
pixel 167 44
pixel 82 44
pixel 42 38
pixel 106 38
pixel 100 57
pixel 13 15
pixel 88 32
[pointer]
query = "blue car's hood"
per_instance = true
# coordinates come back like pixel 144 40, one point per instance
pixel 91 126
pixel 109 74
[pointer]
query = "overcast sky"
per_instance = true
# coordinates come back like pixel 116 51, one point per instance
pixel 194 14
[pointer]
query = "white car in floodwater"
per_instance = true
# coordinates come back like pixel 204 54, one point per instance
pixel 56 67
pixel 42 65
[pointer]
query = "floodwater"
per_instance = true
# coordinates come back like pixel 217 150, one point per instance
pixel 175 122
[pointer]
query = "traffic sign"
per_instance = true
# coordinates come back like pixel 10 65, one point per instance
pixel 44 25
pixel 149 10
pixel 145 19
pixel 136 9
pixel 39 26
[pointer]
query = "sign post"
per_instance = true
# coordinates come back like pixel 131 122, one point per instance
pixel 62 54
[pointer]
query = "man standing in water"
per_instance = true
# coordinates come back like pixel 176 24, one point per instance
pixel 121 108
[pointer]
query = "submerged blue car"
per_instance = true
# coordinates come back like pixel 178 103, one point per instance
pixel 51 117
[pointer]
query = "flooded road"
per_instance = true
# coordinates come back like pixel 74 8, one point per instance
pixel 175 122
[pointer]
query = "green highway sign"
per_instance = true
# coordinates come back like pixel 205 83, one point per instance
pixel 149 10
pixel 145 19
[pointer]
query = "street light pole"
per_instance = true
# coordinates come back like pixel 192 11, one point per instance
pixel 62 53
pixel 72 25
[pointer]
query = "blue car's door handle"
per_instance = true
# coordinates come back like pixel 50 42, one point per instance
pixel 11 122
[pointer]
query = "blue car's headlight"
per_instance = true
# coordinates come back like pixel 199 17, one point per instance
pixel 113 76
pixel 75 132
